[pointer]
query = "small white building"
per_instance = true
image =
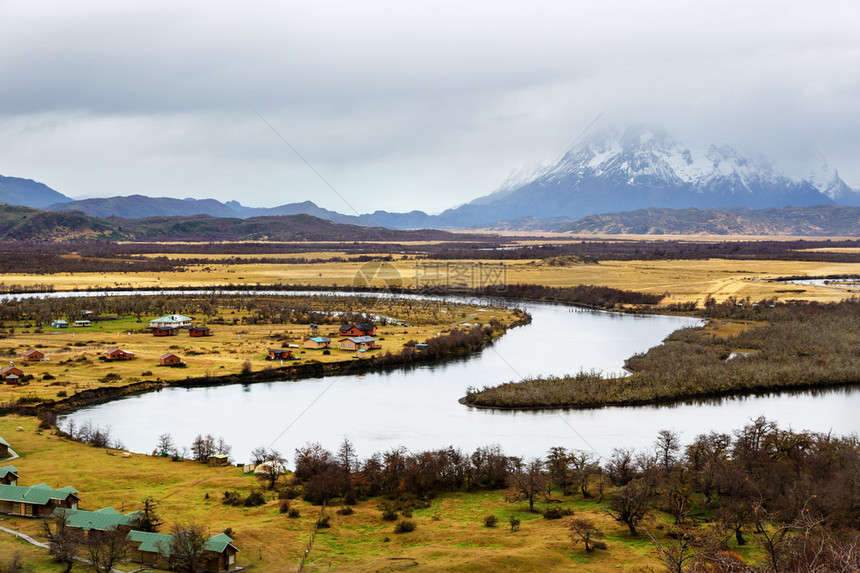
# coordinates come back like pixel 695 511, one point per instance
pixel 170 321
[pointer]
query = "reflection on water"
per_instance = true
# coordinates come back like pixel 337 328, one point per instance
pixel 417 407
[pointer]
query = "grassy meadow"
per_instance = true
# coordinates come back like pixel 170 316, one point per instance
pixel 73 353
pixel 450 534
pixel 682 280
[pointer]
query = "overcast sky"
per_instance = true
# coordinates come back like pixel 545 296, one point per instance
pixel 404 105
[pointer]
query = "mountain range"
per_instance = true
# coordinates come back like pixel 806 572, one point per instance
pixel 636 169
pixel 19 223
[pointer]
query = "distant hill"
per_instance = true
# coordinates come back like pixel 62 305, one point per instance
pixel 26 224
pixel 140 206
pixel 29 193
pixel 822 220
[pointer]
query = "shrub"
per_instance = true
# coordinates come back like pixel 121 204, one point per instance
pixel 515 523
pixel 389 514
pixel 405 526
pixel 110 377
pixel 491 521
pixel 48 376
pixel 62 394
pixel 229 531
pixel 556 512
pixel 345 510
pixel 254 499
pixel 284 506
pixel 147 373
pixel 323 522
pixel 293 513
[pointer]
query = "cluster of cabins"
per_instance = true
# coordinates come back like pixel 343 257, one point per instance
pixel 355 337
pixel 152 549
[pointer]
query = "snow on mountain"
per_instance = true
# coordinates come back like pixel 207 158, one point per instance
pixel 642 168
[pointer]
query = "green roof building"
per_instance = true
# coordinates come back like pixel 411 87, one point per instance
pixel 219 553
pixel 9 475
pixel 100 520
pixel 37 500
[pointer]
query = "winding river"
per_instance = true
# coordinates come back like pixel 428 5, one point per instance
pixel 417 407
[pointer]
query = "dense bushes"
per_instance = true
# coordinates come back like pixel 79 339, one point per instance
pixel 802 345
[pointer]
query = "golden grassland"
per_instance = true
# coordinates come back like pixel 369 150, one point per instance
pixel 682 280
pixel 73 353
pixel 450 534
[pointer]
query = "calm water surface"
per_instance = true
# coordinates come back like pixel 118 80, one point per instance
pixel 417 407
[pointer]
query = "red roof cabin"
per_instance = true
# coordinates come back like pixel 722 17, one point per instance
pixel 169 359
pixel 358 330
pixel 118 354
pixel 199 331
pixel 165 331
pixel 280 354
pixel 34 355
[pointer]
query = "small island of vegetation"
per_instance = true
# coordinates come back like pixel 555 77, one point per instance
pixel 747 347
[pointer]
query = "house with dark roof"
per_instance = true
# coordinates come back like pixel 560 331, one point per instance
pixel 165 331
pixel 280 354
pixel 359 343
pixel 37 500
pixel 219 553
pixel 199 331
pixel 357 330
pixel 104 519
pixel 9 475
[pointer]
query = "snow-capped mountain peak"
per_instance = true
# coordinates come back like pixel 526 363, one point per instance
pixel 614 170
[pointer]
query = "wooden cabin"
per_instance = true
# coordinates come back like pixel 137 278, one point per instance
pixel 357 330
pixel 8 474
pixel 219 553
pixel 36 501
pixel 118 354
pixel 318 342
pixel 169 359
pixel 219 460
pixel 199 331
pixel 165 331
pixel 34 355
pixel 280 354
pixel 11 374
pixel 359 343
pixel 4 448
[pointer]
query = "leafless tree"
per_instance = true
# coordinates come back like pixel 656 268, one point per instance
pixel 631 504
pixel 62 541
pixel 186 549
pixel 526 481
pixel 585 530
pixel 107 548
